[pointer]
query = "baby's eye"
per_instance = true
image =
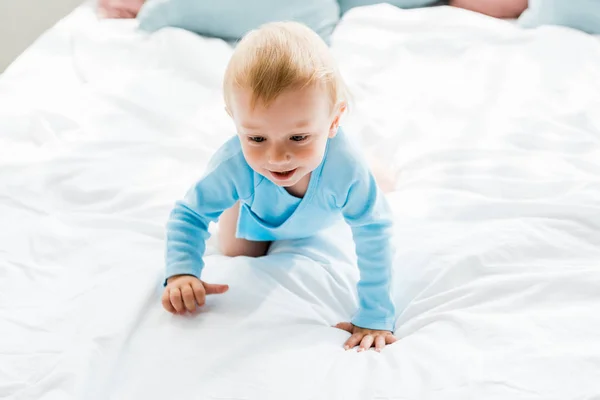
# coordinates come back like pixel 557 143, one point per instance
pixel 299 138
pixel 256 139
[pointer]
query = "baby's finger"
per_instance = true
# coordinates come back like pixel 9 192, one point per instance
pixel 366 343
pixel 166 302
pixel 188 298
pixel 379 342
pixel 389 339
pixel 353 341
pixel 199 292
pixel 175 297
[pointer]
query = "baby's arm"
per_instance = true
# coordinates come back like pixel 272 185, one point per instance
pixel 187 233
pixel 368 214
pixel 187 228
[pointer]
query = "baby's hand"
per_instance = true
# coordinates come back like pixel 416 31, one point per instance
pixel 183 292
pixel 366 337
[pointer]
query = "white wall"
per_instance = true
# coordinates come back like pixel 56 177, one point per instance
pixel 22 21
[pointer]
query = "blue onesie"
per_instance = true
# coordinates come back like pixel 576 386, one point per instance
pixel 342 185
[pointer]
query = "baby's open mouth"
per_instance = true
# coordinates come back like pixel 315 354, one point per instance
pixel 283 175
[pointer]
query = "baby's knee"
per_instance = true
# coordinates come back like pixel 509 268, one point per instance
pixel 231 250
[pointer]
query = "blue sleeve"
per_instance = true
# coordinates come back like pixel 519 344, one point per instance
pixel 187 227
pixel 368 214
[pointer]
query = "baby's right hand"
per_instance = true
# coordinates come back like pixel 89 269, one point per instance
pixel 183 292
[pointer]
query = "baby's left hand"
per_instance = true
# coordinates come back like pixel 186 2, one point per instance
pixel 366 337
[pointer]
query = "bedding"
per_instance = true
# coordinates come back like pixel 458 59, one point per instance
pixel 491 134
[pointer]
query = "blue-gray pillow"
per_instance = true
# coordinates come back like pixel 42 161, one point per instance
pixel 577 14
pixel 231 19
pixel 346 5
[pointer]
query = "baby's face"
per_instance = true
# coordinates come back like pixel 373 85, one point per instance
pixel 286 141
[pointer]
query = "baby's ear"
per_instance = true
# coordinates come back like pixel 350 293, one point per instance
pixel 334 128
pixel 335 124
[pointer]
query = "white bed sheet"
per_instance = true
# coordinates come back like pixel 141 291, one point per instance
pixel 492 134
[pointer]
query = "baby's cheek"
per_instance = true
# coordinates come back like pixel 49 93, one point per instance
pixel 306 153
pixel 252 155
pixel 312 155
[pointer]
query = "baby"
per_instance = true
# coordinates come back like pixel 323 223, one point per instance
pixel 288 173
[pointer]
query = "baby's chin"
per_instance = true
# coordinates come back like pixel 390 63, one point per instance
pixel 286 184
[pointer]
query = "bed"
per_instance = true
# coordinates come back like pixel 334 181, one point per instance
pixel 491 134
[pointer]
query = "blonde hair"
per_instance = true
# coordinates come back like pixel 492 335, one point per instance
pixel 280 56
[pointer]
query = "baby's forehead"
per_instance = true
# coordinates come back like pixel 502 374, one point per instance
pixel 257 98
pixel 296 107
pixel 254 125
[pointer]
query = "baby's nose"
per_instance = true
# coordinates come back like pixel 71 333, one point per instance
pixel 278 156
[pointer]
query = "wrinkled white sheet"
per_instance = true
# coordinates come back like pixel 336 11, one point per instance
pixel 492 134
